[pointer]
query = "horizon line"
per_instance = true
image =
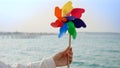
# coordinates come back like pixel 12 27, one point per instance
pixel 52 32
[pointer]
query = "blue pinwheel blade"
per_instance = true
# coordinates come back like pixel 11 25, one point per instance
pixel 79 23
pixel 63 30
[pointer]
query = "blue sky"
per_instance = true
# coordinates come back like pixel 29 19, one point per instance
pixel 36 15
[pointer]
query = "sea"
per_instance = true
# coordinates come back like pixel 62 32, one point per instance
pixel 90 49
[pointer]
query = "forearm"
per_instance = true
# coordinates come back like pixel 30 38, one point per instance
pixel 45 63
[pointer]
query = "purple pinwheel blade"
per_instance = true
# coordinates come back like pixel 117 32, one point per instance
pixel 79 23
pixel 63 30
pixel 71 29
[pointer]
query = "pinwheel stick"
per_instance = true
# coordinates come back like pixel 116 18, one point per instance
pixel 69 40
pixel 68 66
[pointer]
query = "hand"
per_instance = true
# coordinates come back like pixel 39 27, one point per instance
pixel 61 58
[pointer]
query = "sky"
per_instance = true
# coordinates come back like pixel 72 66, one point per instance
pixel 36 15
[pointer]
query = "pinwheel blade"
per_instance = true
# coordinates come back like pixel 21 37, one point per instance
pixel 71 29
pixel 58 13
pixel 57 23
pixel 63 30
pixel 77 12
pixel 67 8
pixel 79 23
pixel 70 18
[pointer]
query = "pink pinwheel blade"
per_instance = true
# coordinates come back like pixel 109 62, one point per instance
pixel 77 12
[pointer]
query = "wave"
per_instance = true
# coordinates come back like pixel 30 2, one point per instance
pixel 78 63
pixel 115 51
pixel 89 65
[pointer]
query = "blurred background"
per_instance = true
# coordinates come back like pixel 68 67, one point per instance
pixel 25 26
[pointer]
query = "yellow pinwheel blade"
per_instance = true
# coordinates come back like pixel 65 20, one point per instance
pixel 67 8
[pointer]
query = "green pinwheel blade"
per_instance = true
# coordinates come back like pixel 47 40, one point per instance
pixel 71 29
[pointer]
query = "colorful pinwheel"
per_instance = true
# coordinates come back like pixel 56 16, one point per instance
pixel 68 18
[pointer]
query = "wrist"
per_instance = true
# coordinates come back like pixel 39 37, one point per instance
pixel 54 58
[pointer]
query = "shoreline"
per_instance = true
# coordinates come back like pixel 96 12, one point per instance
pixel 52 33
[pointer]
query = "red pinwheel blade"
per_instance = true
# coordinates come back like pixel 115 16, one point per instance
pixel 63 30
pixel 71 29
pixel 77 12
pixel 58 13
pixel 57 23
pixel 79 23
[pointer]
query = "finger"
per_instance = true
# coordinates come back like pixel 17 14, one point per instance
pixel 70 53
pixel 70 56
pixel 70 60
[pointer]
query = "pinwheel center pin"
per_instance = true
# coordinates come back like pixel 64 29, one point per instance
pixel 64 20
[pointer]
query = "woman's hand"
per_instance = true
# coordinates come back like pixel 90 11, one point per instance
pixel 61 58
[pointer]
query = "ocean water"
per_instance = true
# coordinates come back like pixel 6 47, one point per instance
pixel 91 50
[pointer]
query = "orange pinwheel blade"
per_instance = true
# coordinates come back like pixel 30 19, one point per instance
pixel 58 13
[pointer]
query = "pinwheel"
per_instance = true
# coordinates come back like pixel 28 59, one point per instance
pixel 68 18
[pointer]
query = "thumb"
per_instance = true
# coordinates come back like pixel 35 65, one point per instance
pixel 67 49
